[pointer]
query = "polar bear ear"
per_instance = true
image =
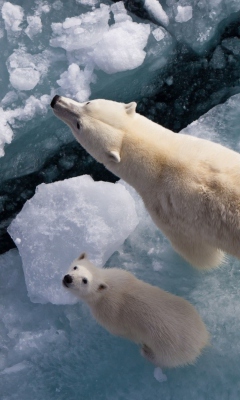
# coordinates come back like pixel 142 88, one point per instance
pixel 114 156
pixel 131 107
pixel 82 256
pixel 102 286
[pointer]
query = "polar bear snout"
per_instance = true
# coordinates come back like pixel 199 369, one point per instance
pixel 67 280
pixel 54 100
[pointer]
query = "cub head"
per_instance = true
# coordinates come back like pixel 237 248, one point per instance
pixel 98 125
pixel 84 280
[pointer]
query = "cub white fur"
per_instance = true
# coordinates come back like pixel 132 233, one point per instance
pixel 167 327
pixel 190 186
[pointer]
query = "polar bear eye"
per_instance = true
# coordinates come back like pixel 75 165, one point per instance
pixel 75 268
pixel 87 103
pixel 84 280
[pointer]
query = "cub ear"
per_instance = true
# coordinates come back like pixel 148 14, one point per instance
pixel 102 286
pixel 114 156
pixel 82 256
pixel 131 107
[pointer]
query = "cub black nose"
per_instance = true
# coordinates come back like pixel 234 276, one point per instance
pixel 67 279
pixel 54 100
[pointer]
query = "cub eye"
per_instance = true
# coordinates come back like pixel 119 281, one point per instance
pixel 87 103
pixel 78 125
pixel 84 280
pixel 74 267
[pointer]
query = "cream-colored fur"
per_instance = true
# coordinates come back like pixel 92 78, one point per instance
pixel 167 327
pixel 190 186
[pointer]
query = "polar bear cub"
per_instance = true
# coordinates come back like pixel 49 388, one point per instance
pixel 167 327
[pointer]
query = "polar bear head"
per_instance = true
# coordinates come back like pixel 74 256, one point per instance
pixel 98 125
pixel 85 280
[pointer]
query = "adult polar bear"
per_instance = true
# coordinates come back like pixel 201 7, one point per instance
pixel 190 186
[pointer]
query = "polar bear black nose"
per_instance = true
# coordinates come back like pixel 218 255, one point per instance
pixel 67 279
pixel 54 100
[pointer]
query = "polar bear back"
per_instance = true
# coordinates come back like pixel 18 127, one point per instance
pixel 145 314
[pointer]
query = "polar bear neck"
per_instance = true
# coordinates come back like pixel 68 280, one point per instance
pixel 144 152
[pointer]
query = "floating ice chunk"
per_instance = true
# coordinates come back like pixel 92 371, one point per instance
pixel 32 107
pixel 159 34
pixel 169 80
pixel 45 8
pixel 120 12
pixel 233 45
pixel 16 368
pixel 12 16
pixel 198 22
pixel 26 69
pixel 6 132
pixel 92 40
pixel 9 98
pixel 159 375
pixel 76 83
pixel 154 8
pixel 218 59
pixel 130 39
pixel 63 219
pixel 24 78
pixel 34 26
pixel 81 32
pixel 57 5
pixel 218 122
pixel 88 2
pixel 184 14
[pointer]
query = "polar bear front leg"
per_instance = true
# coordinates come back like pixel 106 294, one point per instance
pixel 198 253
